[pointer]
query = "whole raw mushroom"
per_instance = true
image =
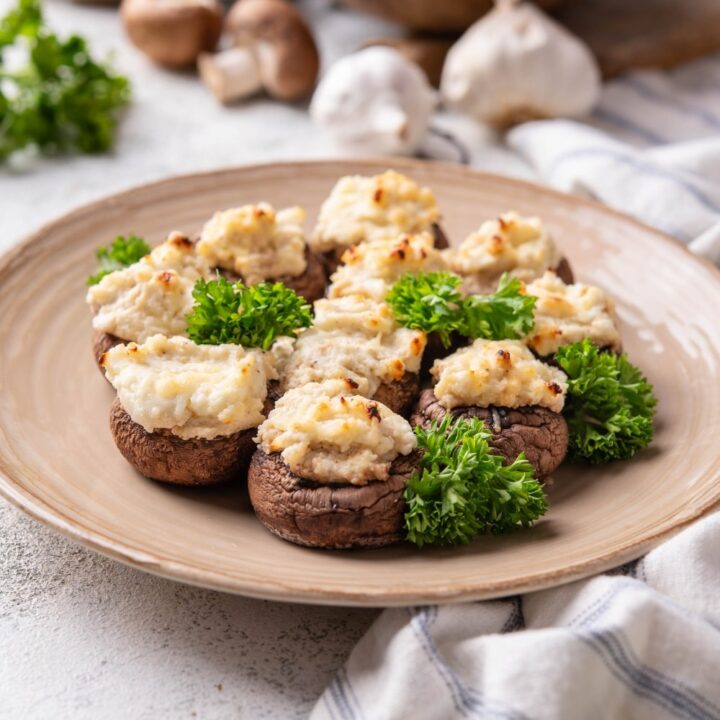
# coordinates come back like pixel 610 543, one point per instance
pixel 272 49
pixel 374 101
pixel 173 33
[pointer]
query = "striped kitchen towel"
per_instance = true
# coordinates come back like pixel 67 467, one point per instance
pixel 651 150
pixel 643 642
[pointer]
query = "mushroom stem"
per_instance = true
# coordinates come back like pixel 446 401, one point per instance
pixel 231 74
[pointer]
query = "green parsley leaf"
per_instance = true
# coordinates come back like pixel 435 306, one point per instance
pixel 507 313
pixel 463 487
pixel 123 251
pixel 610 404
pixel 432 302
pixel 61 99
pixel 249 316
pixel 429 302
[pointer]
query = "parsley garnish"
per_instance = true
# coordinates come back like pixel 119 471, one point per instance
pixel 249 316
pixel 61 99
pixel 123 251
pixel 432 302
pixel 427 301
pixel 506 314
pixel 463 488
pixel 609 407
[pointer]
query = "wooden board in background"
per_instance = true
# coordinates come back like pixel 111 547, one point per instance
pixel 623 34
pixel 627 34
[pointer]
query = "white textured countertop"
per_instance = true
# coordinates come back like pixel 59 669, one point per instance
pixel 82 636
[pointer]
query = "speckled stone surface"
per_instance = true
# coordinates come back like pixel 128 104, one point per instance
pixel 82 636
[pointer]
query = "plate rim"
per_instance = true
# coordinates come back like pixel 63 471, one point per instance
pixel 20 497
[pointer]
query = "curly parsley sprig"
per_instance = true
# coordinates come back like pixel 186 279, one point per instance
pixel 60 99
pixel 610 404
pixel 506 314
pixel 432 302
pixel 250 316
pixel 122 252
pixel 463 488
pixel 427 301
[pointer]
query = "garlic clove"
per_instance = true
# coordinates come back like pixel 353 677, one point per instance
pixel 374 101
pixel 392 121
pixel 516 64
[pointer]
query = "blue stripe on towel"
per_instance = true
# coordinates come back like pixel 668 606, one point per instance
pixel 643 167
pixel 679 106
pixel 651 686
pixel 609 116
pixel 467 700
pixel 623 664
pixel 328 706
pixel 345 684
pixel 341 702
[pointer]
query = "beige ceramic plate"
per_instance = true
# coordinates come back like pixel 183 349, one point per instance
pixel 59 463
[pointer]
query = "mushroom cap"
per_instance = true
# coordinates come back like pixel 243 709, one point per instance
pixel 101 343
pixel 173 32
pixel 329 516
pixel 399 395
pixel 309 285
pixel 285 48
pixel 160 455
pixel 538 432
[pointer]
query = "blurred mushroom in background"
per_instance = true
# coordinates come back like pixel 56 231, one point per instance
pixel 173 33
pixel 272 49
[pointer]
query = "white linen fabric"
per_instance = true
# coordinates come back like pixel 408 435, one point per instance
pixel 652 151
pixel 643 642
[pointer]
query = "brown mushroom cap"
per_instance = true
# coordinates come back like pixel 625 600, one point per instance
pixel 287 54
pixel 160 455
pixel 564 271
pixel 328 516
pixel 476 285
pixel 310 284
pixel 398 395
pixel 538 432
pixel 332 259
pixel 173 34
pixel 101 343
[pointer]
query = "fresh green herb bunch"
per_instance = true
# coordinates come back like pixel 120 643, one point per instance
pixel 432 302
pixel 428 301
pixel 123 251
pixel 463 488
pixel 250 316
pixel 61 100
pixel 506 314
pixel 609 407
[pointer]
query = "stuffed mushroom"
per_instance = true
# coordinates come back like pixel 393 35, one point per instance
pixel 520 246
pixel 255 243
pixel 381 207
pixel 569 313
pixel 370 268
pixel 186 413
pixel 356 340
pixel 518 397
pixel 152 296
pixel 331 469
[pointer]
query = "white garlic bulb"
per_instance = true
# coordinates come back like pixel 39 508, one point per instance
pixel 374 101
pixel 517 64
